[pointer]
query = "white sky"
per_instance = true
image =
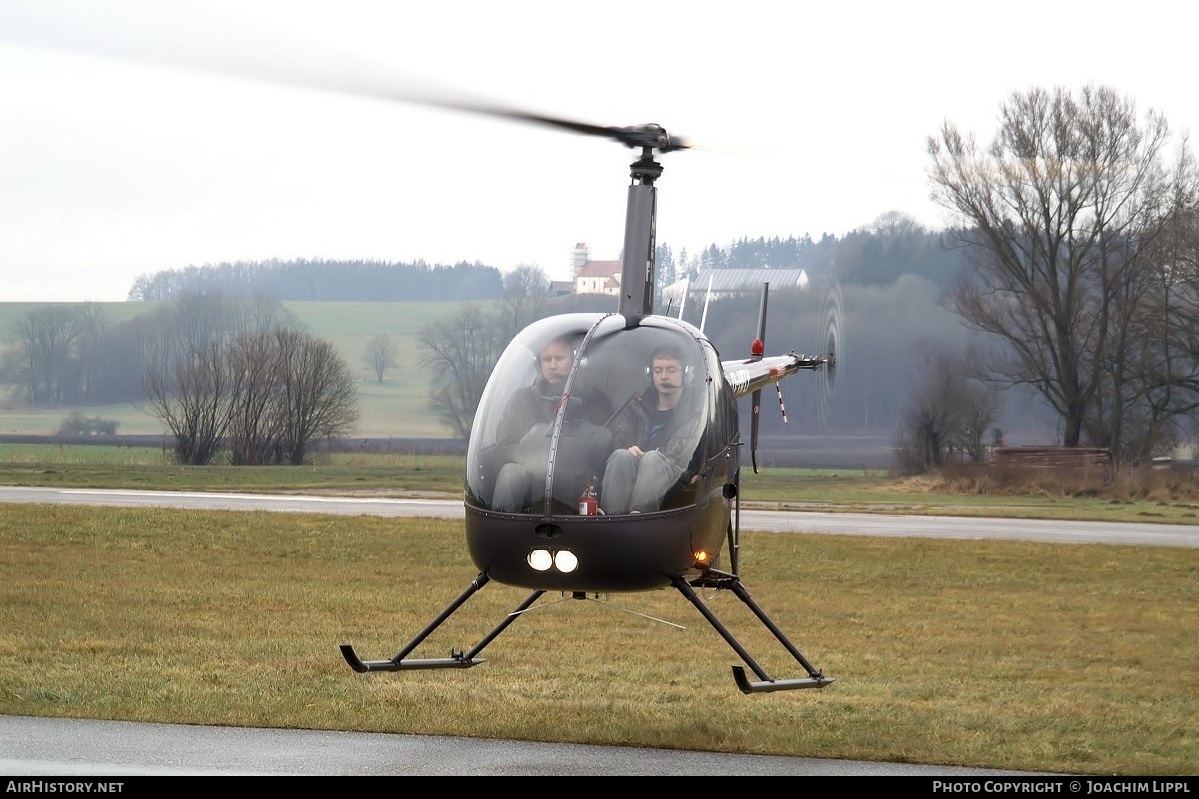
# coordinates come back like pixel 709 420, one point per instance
pixel 114 168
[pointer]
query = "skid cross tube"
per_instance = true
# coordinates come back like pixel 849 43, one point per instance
pixel 456 660
pixel 765 682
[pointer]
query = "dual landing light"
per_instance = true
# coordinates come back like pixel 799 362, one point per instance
pixel 566 561
pixel 563 560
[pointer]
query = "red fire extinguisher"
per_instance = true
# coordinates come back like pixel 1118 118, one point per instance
pixel 588 504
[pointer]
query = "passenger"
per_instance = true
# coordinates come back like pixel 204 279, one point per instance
pixel 523 435
pixel 657 444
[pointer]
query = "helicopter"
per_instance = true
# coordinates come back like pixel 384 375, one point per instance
pixel 560 541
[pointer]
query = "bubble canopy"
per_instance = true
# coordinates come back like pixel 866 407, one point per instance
pixel 565 450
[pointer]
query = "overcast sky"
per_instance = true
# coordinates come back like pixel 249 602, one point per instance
pixel 818 116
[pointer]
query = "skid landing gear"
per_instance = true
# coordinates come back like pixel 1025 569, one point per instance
pixel 764 683
pixel 712 579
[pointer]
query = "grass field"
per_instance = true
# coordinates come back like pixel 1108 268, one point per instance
pixel 991 654
pixel 1013 655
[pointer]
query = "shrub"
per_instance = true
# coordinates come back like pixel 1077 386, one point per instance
pixel 79 425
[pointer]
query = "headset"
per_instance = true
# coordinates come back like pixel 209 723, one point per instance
pixel 688 369
pixel 574 354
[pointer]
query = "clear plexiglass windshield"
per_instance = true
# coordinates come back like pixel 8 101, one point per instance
pixel 535 439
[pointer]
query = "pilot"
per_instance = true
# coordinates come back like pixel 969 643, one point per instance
pixel 656 441
pixel 526 421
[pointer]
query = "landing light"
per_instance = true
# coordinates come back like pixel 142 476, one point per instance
pixel 542 560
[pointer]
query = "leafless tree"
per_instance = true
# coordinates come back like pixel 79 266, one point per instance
pixel 975 417
pixel 1162 410
pixel 193 398
pixel 71 355
pixel 381 354
pixel 111 363
pixel 187 379
pixel 256 420
pixel 316 391
pixel 895 223
pixel 1062 212
pixel 93 326
pixel 526 292
pixel 462 354
pixel 49 340
pixel 947 411
pixel 201 370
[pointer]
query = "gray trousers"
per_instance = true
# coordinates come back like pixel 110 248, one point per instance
pixel 513 488
pixel 632 485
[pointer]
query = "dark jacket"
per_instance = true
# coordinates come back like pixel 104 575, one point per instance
pixel 537 404
pixel 679 441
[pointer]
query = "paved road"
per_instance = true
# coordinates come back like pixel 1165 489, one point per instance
pixel 57 747
pixel 805 521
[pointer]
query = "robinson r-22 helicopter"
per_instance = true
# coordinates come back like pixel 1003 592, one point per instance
pixel 549 545
pixel 558 543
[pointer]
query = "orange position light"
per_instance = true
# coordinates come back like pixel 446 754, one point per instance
pixel 701 557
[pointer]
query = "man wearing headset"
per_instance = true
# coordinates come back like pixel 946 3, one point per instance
pixel 527 416
pixel 655 442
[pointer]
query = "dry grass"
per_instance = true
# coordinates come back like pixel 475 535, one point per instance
pixel 1009 655
pixel 1141 483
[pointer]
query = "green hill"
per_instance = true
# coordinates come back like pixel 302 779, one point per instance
pixel 397 407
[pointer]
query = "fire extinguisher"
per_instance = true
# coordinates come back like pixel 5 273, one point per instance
pixel 588 504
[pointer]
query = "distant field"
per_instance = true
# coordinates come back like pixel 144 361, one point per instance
pixel 13 312
pixel 394 409
pixel 398 407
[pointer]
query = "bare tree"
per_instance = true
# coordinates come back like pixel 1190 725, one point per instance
pixel 49 339
pixel 92 328
pixel 193 398
pixel 111 363
pixel 381 354
pixel 526 292
pixel 69 354
pixel 197 377
pixel 462 354
pixel 1062 212
pixel 187 379
pixel 1163 409
pixel 256 420
pixel 895 223
pixel 947 411
pixel 316 392
pixel 976 415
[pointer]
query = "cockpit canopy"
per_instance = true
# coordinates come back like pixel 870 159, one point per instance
pixel 561 434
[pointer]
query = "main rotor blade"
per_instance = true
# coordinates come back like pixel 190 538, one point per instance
pixel 209 45
pixel 650 135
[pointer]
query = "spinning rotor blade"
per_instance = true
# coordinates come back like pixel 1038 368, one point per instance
pixel 651 136
pixel 209 45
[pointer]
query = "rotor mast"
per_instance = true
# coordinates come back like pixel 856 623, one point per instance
pixel 637 264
